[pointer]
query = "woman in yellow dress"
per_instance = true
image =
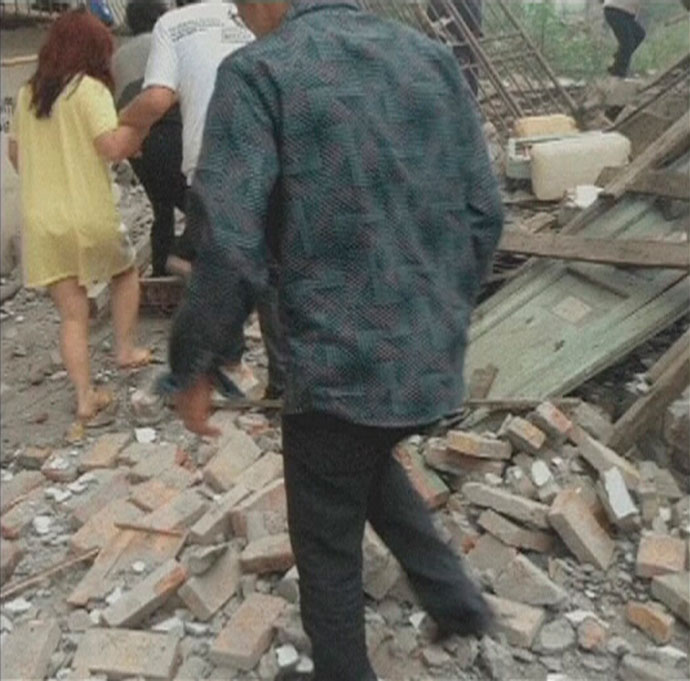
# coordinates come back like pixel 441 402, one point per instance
pixel 64 134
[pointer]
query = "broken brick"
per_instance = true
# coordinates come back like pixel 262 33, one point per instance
pixel 525 436
pixel 602 458
pixel 652 620
pixel 179 513
pixel 522 581
pixel 262 472
pixel 14 522
pixel 471 444
pixel 205 594
pixel 673 590
pixel 443 459
pixel 121 653
pixel 20 485
pixel 151 460
pixel 101 528
pixel 490 554
pixel 152 494
pixel 580 531
pixel 268 504
pixel 660 554
pixel 428 485
pixel 110 486
pixel 146 597
pixel 513 506
pixel 553 422
pixel 268 554
pixel 11 553
pixel 519 623
pixel 249 633
pixel 216 521
pixel 592 635
pixel 27 651
pixel 514 535
pixel 236 453
pixel 103 453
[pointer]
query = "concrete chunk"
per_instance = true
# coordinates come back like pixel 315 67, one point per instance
pixel 659 554
pixel 513 506
pixel 103 453
pixel 520 623
pixel 27 650
pixel 121 653
pixel 471 444
pixel 216 521
pixel 206 594
pixel 616 499
pixel 522 581
pixel 268 554
pixel 146 597
pixel 249 633
pixel 572 519
pixel 673 591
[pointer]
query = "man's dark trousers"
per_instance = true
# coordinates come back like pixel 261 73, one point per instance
pixel 629 34
pixel 339 475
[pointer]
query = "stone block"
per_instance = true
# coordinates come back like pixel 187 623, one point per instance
pixel 471 444
pixel 146 597
pixel 122 653
pixel 429 486
pixel 248 634
pixel 673 590
pixel 267 506
pixel 514 535
pixel 560 165
pixel 20 485
pixel 11 553
pixel 602 458
pixel 525 436
pixel 268 554
pixel 206 594
pixel 522 581
pixel 525 510
pixel 553 422
pixel 216 521
pixel 178 514
pixel 582 534
pixel 614 495
pixel 651 619
pixel 101 528
pixel 33 458
pixel 519 623
pixel 27 651
pixel 262 472
pixel 103 453
pixel 660 554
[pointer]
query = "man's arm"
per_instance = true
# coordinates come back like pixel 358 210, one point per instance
pixel 229 201
pixel 148 107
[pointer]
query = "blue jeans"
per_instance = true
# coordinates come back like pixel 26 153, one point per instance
pixel 337 476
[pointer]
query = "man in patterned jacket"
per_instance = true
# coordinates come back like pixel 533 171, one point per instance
pixel 347 148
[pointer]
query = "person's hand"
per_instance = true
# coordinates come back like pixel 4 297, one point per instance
pixel 194 407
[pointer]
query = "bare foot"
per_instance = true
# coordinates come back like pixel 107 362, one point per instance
pixel 96 401
pixel 134 358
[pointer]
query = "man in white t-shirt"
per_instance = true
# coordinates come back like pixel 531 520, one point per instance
pixel 187 46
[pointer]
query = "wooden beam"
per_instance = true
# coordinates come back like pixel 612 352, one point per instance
pixel 611 252
pixel 648 409
pixel 663 183
pixel 671 142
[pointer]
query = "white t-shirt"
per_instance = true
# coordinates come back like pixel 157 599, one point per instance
pixel 187 46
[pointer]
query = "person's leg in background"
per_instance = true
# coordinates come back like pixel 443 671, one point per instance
pixel 125 311
pixel 629 34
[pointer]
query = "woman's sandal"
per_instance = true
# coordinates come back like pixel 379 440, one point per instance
pixel 143 361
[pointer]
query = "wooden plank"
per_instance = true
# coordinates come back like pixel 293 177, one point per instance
pixel 650 407
pixel 663 183
pixel 610 252
pixel 682 345
pixel 671 142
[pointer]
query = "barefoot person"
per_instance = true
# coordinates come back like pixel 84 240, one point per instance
pixel 64 134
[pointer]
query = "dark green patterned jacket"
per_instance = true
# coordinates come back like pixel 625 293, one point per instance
pixel 347 148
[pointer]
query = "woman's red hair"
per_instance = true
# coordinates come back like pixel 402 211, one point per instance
pixel 78 44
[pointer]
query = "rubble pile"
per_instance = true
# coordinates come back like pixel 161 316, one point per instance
pixel 177 564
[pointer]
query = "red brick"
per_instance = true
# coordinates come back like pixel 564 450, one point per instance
pixel 20 485
pixel 525 436
pixel 147 596
pixel 11 553
pixel 659 555
pixel 101 529
pixel 249 633
pixel 651 619
pixel 262 472
pixel 113 487
pixel 552 421
pixel 514 535
pixel 269 504
pixel 475 445
pixel 103 453
pixel 179 513
pixel 445 460
pixel 152 494
pixel 216 521
pixel 429 486
pixel 268 554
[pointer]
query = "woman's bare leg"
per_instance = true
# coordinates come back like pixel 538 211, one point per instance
pixel 125 309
